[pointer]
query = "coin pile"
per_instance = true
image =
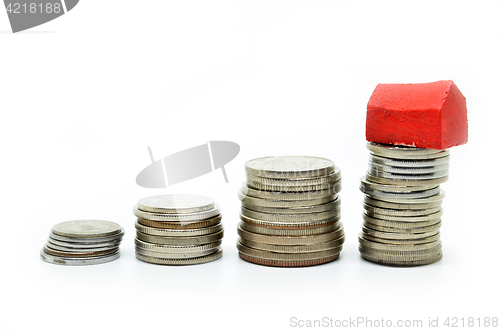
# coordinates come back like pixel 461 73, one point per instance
pixel 83 242
pixel 402 205
pixel 290 212
pixel 178 229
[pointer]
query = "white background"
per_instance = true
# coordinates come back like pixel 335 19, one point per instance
pixel 82 96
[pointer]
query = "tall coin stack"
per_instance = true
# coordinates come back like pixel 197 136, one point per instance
pixel 402 205
pixel 290 212
pixel 83 242
pixel 178 229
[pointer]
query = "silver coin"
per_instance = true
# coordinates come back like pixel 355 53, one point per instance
pixel 187 255
pixel 398 198
pixel 78 261
pixel 170 249
pixel 407 182
pixel 288 196
pixel 407 164
pixel 331 227
pixel 181 241
pixel 405 223
pixel 397 236
pixel 408 257
pixel 289 167
pixel 392 247
pixel 93 240
pixel 422 218
pixel 253 202
pixel 333 177
pixel 190 261
pixel 334 188
pixel 187 217
pixel 79 249
pixel 408 170
pixel 176 204
pixel 291 217
pixel 86 229
pixel 297 210
pixel 284 225
pixel 409 230
pixel 285 239
pixel 404 152
pixel 401 241
pixel 379 260
pixel 177 233
pixel 85 245
pixel 375 211
pixel 367 184
pixel 293 248
pixel 401 205
pixel 257 253
pixel 421 176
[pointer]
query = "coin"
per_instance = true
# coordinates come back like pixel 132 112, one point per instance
pixel 275 263
pixel 375 211
pixel 402 205
pixel 279 195
pixel 406 176
pixel 333 205
pixel 81 240
pixel 407 170
pixel 176 225
pixel 82 254
pixel 163 255
pixel 407 182
pixel 294 248
pixel 407 223
pixel 401 256
pixel 290 225
pixel 189 261
pixel 85 245
pixel 405 152
pixel 401 241
pixel 170 249
pixel 176 204
pixel 178 233
pixel 252 202
pixel 181 241
pixel 78 261
pixel 384 161
pixel 367 183
pixel 394 247
pixel 86 229
pixel 413 263
pixel 187 217
pixel 423 218
pixel 79 249
pixel 410 230
pixel 290 217
pixel 260 254
pixel 332 187
pixel 333 177
pixel 289 232
pixel 291 240
pixel 289 167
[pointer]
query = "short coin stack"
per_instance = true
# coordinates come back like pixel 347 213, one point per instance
pixel 178 229
pixel 83 242
pixel 402 206
pixel 290 212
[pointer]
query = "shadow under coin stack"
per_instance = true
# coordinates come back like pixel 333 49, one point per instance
pixel 83 242
pixel 402 206
pixel 290 212
pixel 178 229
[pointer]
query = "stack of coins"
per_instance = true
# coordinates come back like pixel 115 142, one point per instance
pixel 290 212
pixel 402 205
pixel 178 229
pixel 84 242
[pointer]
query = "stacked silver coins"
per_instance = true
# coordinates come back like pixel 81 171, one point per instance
pixel 83 242
pixel 290 212
pixel 402 205
pixel 178 229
